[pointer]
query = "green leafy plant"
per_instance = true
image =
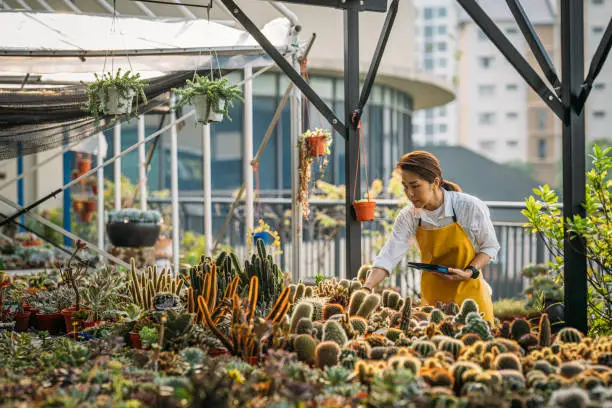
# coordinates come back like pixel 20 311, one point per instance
pixel 214 89
pixel 134 215
pixel 595 229
pixel 127 84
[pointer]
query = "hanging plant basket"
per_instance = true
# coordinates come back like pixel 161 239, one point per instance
pixel 115 102
pixel 312 144
pixel 203 111
pixel 316 145
pixel 265 236
pixel 211 98
pixel 87 210
pixel 114 94
pixel 84 165
pixel 364 210
pixel 133 228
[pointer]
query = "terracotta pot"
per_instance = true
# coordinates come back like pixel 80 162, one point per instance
pixel 67 313
pixel 163 248
pixel 77 205
pixel 91 324
pixel 33 313
pixel 84 165
pixel 316 145
pixel 252 360
pixel 135 340
pixel 365 210
pixel 94 189
pixel 22 321
pixel 52 323
pixel 214 352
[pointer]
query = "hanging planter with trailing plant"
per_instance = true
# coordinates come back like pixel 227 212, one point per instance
pixel 211 98
pixel 134 228
pixel 114 95
pixel 312 144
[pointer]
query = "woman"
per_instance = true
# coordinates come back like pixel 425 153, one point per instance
pixel 452 229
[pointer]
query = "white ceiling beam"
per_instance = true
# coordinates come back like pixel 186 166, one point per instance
pixel 23 4
pixel 46 6
pixel 72 6
pixel 145 9
pixel 186 12
pixel 106 6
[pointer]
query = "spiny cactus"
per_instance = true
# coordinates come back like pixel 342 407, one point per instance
pixel 406 315
pixel 447 329
pixel 369 304
pixel 305 347
pixel 570 398
pixel 475 324
pixel 469 338
pixel 382 353
pixel 299 292
pixel 519 328
pixel 459 369
pixel 393 334
pixel 377 340
pixel 528 341
pixel 425 348
pixel 394 300
pixel 345 283
pixel 317 304
pixel 333 331
pixel 363 273
pixel 304 326
pixel 309 292
pixel 144 286
pixel 361 347
pixel 270 277
pixel 355 286
pixel 569 335
pixel 437 377
pixel 510 345
pixel 452 346
pixel 436 316
pixel 544 335
pixel 331 309
pixel 505 331
pixel 570 369
pixel 543 366
pixel 451 309
pixel 359 324
pixel 356 301
pixel 512 379
pixel 468 306
pixel 507 361
pixel 302 310
pixel 317 330
pixel 412 364
pixel 327 354
pixel 385 297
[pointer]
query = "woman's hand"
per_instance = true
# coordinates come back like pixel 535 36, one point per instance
pixel 456 274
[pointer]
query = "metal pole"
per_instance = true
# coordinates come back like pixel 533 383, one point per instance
pixel 100 203
pixel 248 145
pixel 20 198
pixel 206 167
pixel 574 260
pixel 174 187
pixel 142 171
pixel 67 199
pixel 117 167
pixel 351 101
pixel 296 209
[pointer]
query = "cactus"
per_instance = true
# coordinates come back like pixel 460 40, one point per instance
pixel 543 366
pixel 507 361
pixel 327 354
pixel 528 341
pixel 309 291
pixel 382 353
pixel 385 297
pixel 427 309
pixel 437 377
pixel 394 300
pixel 393 334
pixel 569 335
pixel 469 338
pixel 452 346
pixel 519 328
pixel 570 398
pixel 425 348
pixel 143 287
pixel 305 347
pixel 505 331
pixel 436 316
pixel 447 329
pixel 570 369
pixel 356 301
pixel 406 315
pixel 333 331
pixel 363 273
pixel 317 304
pixel 304 326
pixel 451 309
pixel 359 324
pixel 468 306
pixel 361 347
pixel 377 340
pixel 512 379
pixel 345 283
pixel 166 300
pixel 331 309
pixel 317 330
pixel 510 345
pixel 355 286
pixel 459 369
pixel 302 310
pixel 544 336
pixel 269 275
pixel 475 324
pixel 369 304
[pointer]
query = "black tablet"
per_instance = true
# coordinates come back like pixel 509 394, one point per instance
pixel 428 267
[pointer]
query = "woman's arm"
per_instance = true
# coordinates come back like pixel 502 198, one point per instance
pixel 376 276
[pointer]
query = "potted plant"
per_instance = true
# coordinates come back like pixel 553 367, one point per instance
pixel 114 95
pixel 15 294
pixel 364 209
pixel 73 276
pixel 211 98
pixel 88 207
pixel 264 232
pixel 311 144
pixel 133 228
pixel 101 294
pixel 83 163
pixel 49 305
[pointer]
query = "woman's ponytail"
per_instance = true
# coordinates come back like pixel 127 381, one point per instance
pixel 450 186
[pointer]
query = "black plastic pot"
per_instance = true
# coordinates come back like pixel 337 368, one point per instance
pixel 132 234
pixel 556 314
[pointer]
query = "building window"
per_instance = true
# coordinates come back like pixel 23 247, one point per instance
pixel 442 111
pixel 512 143
pixel 486 118
pixel 511 30
pixel 485 62
pixel 429 129
pixel 486 90
pixel 511 87
pixel 541 118
pixel 429 47
pixel 442 128
pixel 599 85
pixel 428 30
pixel 487 145
pixel 428 64
pixel 599 114
pixel 442 62
pixel 428 13
pixel 429 114
pixel 481 35
pixel 512 115
pixel 598 2
pixel 597 30
pixel 442 29
pixel 542 148
pixel 442 12
pixel 441 46
pixel 415 128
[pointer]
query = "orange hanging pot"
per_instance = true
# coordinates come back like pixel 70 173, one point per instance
pixel 364 210
pixel 316 145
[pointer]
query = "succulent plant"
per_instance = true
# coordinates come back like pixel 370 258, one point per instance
pixel 544 332
pixel 304 326
pixel 569 335
pixel 468 306
pixel 519 328
pixel 305 346
pixel 327 354
pixel 363 273
pixel 369 304
pixel 507 361
pixel 436 316
pixel 301 311
pixel 452 346
pixel 425 348
pixel 331 309
pixel 393 334
pixel 333 331
pixel 166 300
pixel 356 300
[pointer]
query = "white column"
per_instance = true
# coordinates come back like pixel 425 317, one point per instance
pixel 206 166
pixel 174 189
pixel 248 144
pixel 101 218
pixel 142 171
pixel 117 168
pixel 296 209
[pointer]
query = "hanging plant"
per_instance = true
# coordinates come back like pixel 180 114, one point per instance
pixel 364 209
pixel 312 144
pixel 269 237
pixel 211 98
pixel 114 95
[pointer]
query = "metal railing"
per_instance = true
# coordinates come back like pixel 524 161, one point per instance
pixel 324 249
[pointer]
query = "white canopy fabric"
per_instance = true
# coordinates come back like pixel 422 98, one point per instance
pixel 55 43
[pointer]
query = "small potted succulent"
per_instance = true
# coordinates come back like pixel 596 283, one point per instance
pixel 131 227
pixel 114 95
pixel 211 98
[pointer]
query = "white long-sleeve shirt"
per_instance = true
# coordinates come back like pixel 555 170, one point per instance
pixel 472 214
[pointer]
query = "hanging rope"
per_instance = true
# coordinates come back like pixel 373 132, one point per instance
pixel 365 163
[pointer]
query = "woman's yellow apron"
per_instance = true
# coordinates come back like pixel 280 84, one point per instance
pixel 450 246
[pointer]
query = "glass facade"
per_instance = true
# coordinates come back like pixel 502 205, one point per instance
pixel 386 122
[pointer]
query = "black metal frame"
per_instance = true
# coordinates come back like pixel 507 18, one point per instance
pixel 573 92
pixel 354 103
